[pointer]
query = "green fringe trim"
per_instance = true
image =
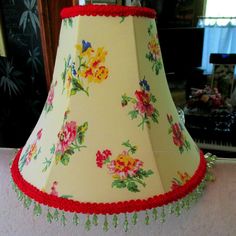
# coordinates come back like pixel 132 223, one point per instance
pixel 156 214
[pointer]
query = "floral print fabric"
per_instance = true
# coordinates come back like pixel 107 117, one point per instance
pixel 154 51
pixel 90 69
pixel 143 105
pixel 49 103
pixel 180 180
pixel 178 136
pixel 126 170
pixel 54 191
pixel 31 152
pixel 70 139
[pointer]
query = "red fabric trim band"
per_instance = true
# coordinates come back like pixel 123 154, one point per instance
pixel 107 10
pixel 107 208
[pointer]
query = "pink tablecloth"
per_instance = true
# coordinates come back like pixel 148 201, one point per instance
pixel 213 215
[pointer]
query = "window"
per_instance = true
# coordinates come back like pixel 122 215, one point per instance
pixel 220 30
pixel 220 8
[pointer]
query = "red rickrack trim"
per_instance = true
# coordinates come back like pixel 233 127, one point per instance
pixel 107 10
pixel 107 208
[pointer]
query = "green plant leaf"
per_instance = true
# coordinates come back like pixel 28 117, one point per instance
pixel 77 85
pixel 118 184
pixel 145 173
pixel 132 148
pixel 133 187
pixel 153 98
pixel 53 148
pixel 150 58
pixel 46 164
pixel 155 116
pixel 69 152
pixel 181 150
pixel 70 22
pixel 66 196
pixel 81 132
pixel 73 92
pixel 65 160
pixel 122 19
pixel 133 114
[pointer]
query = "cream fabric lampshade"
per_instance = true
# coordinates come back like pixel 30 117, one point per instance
pixel 109 139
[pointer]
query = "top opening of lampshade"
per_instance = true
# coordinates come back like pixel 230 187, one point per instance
pixel 111 10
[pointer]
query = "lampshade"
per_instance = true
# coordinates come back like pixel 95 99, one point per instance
pixel 109 140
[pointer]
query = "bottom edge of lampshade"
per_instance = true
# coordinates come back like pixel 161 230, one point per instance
pixel 129 206
pixel 126 220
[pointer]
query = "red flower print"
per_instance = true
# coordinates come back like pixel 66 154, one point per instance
pixel 107 152
pixel 124 166
pixel 178 137
pixel 177 131
pixel 39 134
pixel 88 72
pixel 143 103
pixel 175 185
pixel 50 96
pixel 53 189
pixel 102 157
pixel 182 179
pixel 32 153
pixel 66 136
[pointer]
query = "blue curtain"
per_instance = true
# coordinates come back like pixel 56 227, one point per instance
pixel 217 39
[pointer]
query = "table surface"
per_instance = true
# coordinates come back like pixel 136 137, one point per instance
pixel 214 214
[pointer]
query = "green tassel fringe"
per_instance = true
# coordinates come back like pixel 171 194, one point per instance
pixel 126 224
pixel 88 224
pixel 75 219
pixel 63 219
pixel 173 208
pixel 115 221
pixel 106 224
pixel 134 218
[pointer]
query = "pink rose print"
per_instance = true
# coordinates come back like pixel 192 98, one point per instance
pixel 50 96
pixel 66 136
pixel 49 103
pixel 70 139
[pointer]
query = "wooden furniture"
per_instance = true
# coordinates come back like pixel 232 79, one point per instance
pixel 50 23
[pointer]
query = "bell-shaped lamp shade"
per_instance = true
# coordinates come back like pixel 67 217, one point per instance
pixel 109 139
